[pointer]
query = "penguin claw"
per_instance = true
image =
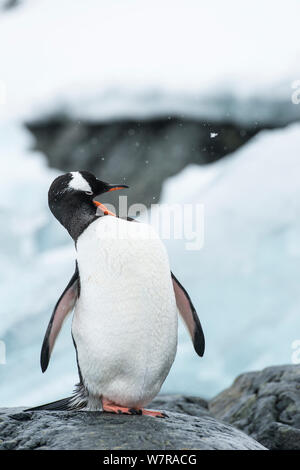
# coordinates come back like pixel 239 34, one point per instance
pixel 135 411
pixel 120 410
pixel 154 414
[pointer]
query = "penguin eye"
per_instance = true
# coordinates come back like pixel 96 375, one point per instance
pixel 89 193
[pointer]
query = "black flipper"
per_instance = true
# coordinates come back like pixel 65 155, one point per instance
pixel 63 307
pixel 189 315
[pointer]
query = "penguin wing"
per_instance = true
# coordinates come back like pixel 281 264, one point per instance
pixel 189 315
pixel 63 307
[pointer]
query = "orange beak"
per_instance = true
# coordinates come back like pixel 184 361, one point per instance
pixel 103 208
pixel 115 188
pixel 106 188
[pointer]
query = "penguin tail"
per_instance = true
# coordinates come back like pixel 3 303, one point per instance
pixel 60 405
pixel 78 401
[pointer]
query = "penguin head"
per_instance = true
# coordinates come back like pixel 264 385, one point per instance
pixel 73 194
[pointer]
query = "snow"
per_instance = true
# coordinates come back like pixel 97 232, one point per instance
pixel 100 59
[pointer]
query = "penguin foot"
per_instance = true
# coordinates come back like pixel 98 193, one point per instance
pixel 110 408
pixel 155 414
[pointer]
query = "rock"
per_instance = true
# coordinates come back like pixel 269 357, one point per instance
pixel 9 4
pixel 140 153
pixel 193 406
pixel 190 428
pixel 265 405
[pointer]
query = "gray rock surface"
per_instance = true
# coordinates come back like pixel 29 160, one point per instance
pixel 265 405
pixel 189 405
pixel 8 4
pixel 189 426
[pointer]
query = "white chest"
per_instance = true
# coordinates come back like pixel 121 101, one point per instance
pixel 125 322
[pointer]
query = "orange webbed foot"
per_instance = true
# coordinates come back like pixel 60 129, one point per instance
pixel 109 407
pixel 155 414
pixel 117 409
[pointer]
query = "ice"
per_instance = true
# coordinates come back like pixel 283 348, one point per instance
pixel 244 282
pixel 36 262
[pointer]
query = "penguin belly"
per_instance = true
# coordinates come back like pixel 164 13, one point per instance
pixel 125 320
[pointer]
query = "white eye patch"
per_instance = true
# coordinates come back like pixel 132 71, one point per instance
pixel 79 183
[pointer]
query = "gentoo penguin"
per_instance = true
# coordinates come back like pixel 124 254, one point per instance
pixel 126 303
